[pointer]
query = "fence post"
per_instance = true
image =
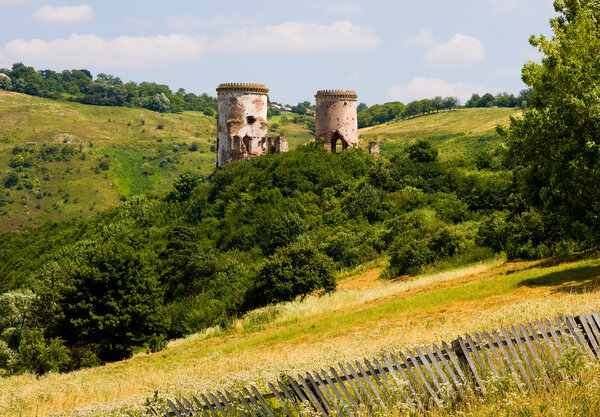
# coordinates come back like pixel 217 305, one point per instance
pixel 462 359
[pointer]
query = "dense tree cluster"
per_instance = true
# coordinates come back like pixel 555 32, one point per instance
pixel 501 100
pixel 267 230
pixel 106 90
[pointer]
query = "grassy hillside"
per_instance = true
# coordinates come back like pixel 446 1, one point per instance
pixel 457 133
pixel 88 158
pixel 364 317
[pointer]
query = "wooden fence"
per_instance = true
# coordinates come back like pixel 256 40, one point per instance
pixel 416 379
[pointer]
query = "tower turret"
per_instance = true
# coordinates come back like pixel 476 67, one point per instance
pixel 241 122
pixel 336 119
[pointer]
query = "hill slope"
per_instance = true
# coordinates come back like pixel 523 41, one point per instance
pixel 457 133
pixel 88 158
pixel 364 317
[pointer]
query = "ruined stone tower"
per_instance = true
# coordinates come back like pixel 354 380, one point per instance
pixel 336 119
pixel 241 122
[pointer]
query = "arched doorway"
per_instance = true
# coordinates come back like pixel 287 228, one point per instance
pixel 338 145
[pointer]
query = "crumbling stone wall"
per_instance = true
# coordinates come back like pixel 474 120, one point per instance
pixel 241 122
pixel 336 119
pixel 374 149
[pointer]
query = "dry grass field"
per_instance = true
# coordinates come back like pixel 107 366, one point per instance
pixel 364 317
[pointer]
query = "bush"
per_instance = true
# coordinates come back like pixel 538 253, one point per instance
pixel 282 230
pixel 409 259
pixel 296 270
pixel 422 151
pixel 184 185
pixel 11 179
pixel 108 299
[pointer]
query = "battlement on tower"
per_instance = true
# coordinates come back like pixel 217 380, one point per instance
pixel 336 95
pixel 250 88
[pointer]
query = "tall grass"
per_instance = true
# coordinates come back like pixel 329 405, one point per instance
pixel 314 333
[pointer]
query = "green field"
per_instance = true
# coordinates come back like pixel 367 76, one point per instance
pixel 456 134
pixel 114 153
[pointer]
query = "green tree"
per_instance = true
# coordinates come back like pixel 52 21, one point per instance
pixel 295 270
pixel 184 185
pixel 422 151
pixel 556 144
pixel 108 300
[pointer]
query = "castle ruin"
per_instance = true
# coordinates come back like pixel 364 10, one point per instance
pixel 242 123
pixel 336 120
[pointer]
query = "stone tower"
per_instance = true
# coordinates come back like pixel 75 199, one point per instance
pixel 336 119
pixel 241 122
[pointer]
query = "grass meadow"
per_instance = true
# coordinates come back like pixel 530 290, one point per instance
pixel 364 317
pixel 455 134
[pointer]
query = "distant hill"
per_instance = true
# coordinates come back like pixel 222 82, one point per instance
pixel 88 158
pixel 456 133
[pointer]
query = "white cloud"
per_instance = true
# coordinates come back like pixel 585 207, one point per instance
pixel 460 50
pixel 64 14
pixel 12 2
pixel 423 39
pixel 503 6
pixel 421 87
pixel 92 50
pixel 297 36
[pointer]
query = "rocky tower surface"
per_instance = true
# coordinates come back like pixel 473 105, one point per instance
pixel 336 119
pixel 241 122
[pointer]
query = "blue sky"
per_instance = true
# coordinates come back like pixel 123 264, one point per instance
pixel 383 49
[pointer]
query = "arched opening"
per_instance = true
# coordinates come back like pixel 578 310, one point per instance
pixel 337 143
pixel 247 142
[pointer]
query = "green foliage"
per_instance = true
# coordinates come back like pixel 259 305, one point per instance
pixel 555 144
pixel 418 239
pixel 107 299
pixel 293 271
pixel 184 185
pixel 422 151
pixel 11 179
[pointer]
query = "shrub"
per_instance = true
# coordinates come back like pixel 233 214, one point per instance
pixel 422 151
pixel 295 270
pixel 184 185
pixel 11 179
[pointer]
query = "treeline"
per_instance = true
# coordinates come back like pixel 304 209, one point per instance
pixel 523 100
pixel 382 113
pixel 105 90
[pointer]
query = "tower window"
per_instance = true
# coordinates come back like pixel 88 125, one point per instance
pixel 251 119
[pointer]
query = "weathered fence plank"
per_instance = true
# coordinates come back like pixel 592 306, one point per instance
pixel 416 367
pixel 490 343
pixel 474 370
pixel 417 379
pixel 340 383
pixel 402 383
